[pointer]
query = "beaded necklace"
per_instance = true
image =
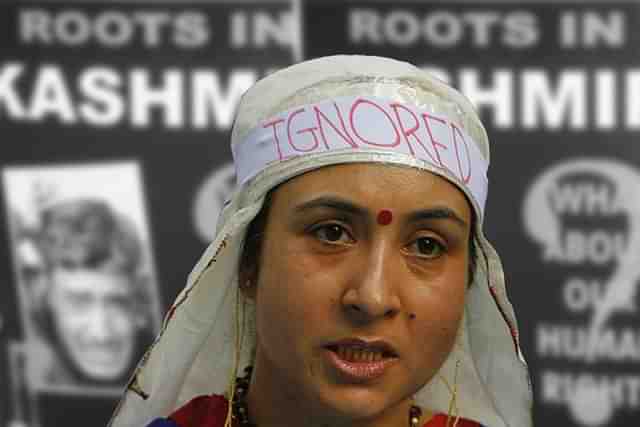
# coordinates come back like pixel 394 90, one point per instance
pixel 241 410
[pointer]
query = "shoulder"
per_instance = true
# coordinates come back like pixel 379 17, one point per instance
pixel 201 411
pixel 441 421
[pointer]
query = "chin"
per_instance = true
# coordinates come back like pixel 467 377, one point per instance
pixel 356 401
pixel 104 373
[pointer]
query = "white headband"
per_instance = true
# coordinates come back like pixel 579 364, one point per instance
pixel 365 123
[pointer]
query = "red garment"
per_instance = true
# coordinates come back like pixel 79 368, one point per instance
pixel 211 411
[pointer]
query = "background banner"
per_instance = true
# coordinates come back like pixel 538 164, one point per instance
pixel 114 122
pixel 558 88
pixel 114 163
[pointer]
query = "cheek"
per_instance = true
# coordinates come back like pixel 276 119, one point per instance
pixel 67 320
pixel 278 313
pixel 121 322
pixel 438 309
pixel 443 293
pixel 291 301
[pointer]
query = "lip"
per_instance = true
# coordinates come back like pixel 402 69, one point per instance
pixel 103 359
pixel 361 371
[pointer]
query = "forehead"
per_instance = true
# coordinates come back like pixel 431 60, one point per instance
pixel 376 186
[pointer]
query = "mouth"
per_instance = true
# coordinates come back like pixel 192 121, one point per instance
pixel 102 358
pixel 361 360
pixel 360 351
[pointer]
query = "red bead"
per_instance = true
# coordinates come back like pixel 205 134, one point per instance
pixel 385 217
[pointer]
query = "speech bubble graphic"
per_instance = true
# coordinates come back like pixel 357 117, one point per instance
pixel 543 225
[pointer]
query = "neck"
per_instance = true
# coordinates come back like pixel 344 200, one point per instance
pixel 273 401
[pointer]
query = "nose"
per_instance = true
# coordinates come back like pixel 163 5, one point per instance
pixel 98 324
pixel 372 289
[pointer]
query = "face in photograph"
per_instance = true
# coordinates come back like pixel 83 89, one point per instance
pixel 94 320
pixel 93 258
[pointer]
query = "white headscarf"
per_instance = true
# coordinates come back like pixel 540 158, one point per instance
pixel 197 351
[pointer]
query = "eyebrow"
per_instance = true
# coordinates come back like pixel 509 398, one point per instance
pixel 440 212
pixel 337 203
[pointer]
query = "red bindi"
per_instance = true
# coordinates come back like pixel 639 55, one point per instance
pixel 385 217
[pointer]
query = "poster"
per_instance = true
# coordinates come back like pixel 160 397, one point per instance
pixel 86 282
pixel 115 119
pixel 557 85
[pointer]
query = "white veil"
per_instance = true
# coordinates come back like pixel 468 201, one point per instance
pixel 198 349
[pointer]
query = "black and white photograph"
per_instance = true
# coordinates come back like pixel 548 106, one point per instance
pixel 84 275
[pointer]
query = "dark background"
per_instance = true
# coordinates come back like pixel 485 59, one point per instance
pixel 176 162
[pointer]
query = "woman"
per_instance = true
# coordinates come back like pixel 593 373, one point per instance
pixel 349 270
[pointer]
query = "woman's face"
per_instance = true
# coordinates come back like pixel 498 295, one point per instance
pixel 353 314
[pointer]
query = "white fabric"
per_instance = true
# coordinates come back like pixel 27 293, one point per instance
pixel 194 353
pixel 364 123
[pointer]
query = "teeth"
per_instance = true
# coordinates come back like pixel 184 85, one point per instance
pixel 359 355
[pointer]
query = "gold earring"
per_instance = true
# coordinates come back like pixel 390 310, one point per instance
pixel 453 402
pixel 239 318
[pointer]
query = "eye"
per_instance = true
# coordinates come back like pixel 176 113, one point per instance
pixel 427 247
pixel 332 233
